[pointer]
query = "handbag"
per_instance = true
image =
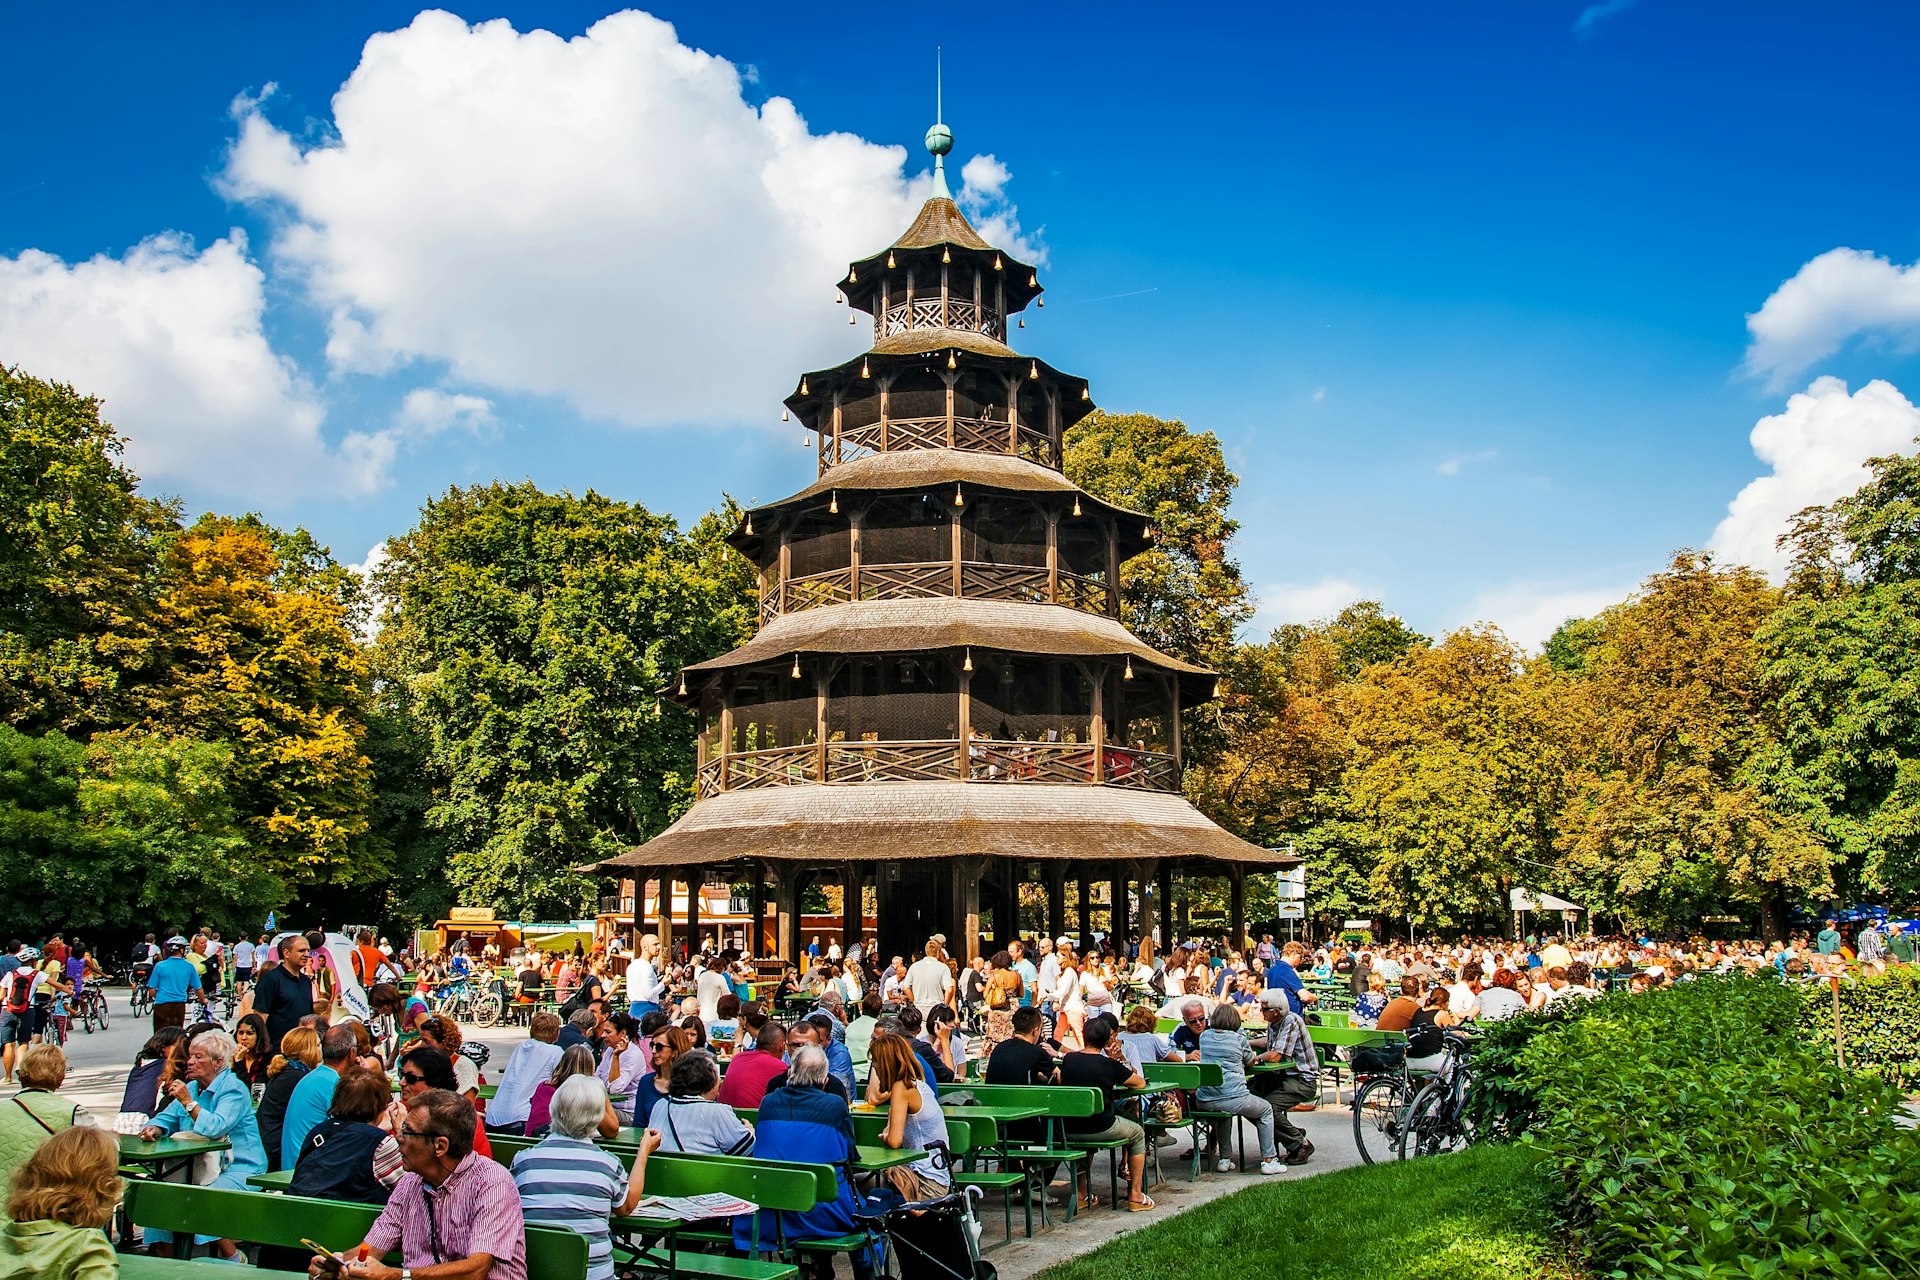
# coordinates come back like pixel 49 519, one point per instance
pixel 1166 1109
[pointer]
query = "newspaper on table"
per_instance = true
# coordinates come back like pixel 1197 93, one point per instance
pixel 714 1204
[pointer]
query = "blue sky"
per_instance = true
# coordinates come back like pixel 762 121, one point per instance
pixel 1464 289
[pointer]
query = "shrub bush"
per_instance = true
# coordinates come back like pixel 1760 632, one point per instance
pixel 1504 1100
pixel 1694 1132
pixel 1879 1023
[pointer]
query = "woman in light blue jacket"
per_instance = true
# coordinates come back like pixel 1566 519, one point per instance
pixel 212 1102
pixel 1222 1043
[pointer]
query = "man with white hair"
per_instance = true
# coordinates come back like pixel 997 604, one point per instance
pixel 567 1180
pixel 212 1102
pixel 802 1120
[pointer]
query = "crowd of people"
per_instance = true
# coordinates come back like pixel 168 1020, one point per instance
pixel 665 1053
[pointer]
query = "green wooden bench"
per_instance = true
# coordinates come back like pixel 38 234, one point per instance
pixel 1063 1102
pixel 771 1184
pixel 260 1218
pixel 1177 1075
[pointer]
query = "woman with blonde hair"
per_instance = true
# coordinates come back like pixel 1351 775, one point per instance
pixel 1069 999
pixel 914 1119
pixel 299 1054
pixel 57 1203
pixel 38 1111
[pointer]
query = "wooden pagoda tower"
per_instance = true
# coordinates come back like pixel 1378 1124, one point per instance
pixel 941 700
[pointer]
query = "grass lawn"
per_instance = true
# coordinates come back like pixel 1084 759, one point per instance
pixel 1478 1215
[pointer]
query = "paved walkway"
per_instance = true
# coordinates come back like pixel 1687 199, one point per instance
pixel 1330 1128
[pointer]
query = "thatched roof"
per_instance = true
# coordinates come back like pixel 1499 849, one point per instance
pixel 873 822
pixel 940 222
pixel 911 470
pixel 920 341
pixel 944 623
pixel 939 228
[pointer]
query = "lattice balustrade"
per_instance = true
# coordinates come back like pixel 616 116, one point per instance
pixel 772 767
pixel 1089 595
pixel 933 579
pixel 906 581
pixel 973 435
pixel 811 592
pixel 987 760
pixel 892 761
pixel 924 313
pixel 1022 583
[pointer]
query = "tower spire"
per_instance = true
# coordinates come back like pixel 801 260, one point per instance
pixel 939 138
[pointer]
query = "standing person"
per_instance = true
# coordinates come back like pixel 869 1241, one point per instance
pixel 283 994
pixel 242 964
pixel 645 981
pixel 172 981
pixel 1029 976
pixel 1284 975
pixel 452 1206
pixel 1001 996
pixel 367 960
pixel 929 981
pixel 18 978
pixel 1900 944
pixel 1069 999
pixel 1828 941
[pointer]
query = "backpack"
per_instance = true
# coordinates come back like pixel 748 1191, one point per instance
pixel 20 990
pixel 996 995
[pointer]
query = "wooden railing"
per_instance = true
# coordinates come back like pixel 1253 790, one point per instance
pixel 930 579
pixel 934 760
pixel 924 313
pixel 972 435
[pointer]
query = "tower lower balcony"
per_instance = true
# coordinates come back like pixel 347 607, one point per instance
pixel 981 760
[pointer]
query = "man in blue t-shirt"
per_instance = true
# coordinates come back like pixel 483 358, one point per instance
pixel 171 982
pixel 1284 976
pixel 1029 976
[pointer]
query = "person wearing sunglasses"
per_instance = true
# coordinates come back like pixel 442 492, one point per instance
pixel 1193 1021
pixel 454 1215
pixel 424 1068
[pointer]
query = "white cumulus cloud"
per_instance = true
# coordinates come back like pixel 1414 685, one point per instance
pixel 1816 451
pixel 1528 613
pixel 428 411
pixel 605 218
pixel 169 337
pixel 1287 602
pixel 1841 295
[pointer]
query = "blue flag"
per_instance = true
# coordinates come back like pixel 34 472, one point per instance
pixel 269 922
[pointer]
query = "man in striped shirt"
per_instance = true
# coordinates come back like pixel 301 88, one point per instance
pixel 567 1181
pixel 455 1214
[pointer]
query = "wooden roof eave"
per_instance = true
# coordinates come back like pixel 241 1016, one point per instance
pixel 862 283
pixel 813 405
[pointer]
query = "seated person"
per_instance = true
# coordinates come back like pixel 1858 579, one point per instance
pixel 932 1067
pixel 898 1081
pixel 38 1111
pixel 691 1119
pixel 803 1119
pixel 753 1069
pixel 487 1232
pixel 58 1203
pixel 532 1061
pixel 345 1157
pixel 1193 1021
pixel 299 1054
pixel 212 1103
pixel 1102 1065
pixel 807 1031
pixel 723 1030
pixel 567 1180
pixel 149 1074
pixel 1144 1043
pixel 577 1061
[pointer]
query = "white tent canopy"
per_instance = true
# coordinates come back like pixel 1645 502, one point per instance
pixel 1532 900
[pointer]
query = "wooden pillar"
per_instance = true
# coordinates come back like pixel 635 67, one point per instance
pixel 1165 877
pixel 1113 568
pixel 1121 925
pixel 886 414
pixel 786 897
pixel 696 880
pixel 726 727
pixel 786 563
pixel 757 900
pixel 821 676
pixel 1053 556
pixel 852 905
pixel 1013 416
pixel 962 762
pixel 967 873
pixel 663 915
pixel 1056 876
pixel 946 296
pixel 957 510
pixel 1149 877
pixel 1053 426
pixel 1008 927
pixel 1173 700
pixel 836 428
pixel 853 554
pixel 1086 908
pixel 950 379
pixel 1099 730
pixel 1236 906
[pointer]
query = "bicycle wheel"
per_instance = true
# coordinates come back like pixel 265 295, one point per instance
pixel 486 1010
pixel 1429 1129
pixel 86 1015
pixel 1378 1113
pixel 100 1008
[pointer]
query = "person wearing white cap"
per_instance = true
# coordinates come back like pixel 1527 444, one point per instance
pixel 171 982
pixel 1048 976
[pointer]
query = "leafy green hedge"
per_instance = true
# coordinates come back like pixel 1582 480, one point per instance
pixel 1504 1100
pixel 1879 1023
pixel 1697 1133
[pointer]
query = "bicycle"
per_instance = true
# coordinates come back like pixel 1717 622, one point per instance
pixel 93 1007
pixel 1379 1115
pixel 142 994
pixel 1436 1120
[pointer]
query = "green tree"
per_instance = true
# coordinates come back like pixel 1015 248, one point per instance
pixel 1456 776
pixel 527 637
pixel 63 875
pixel 77 551
pixel 261 656
pixel 1840 664
pixel 1184 595
pixel 1672 815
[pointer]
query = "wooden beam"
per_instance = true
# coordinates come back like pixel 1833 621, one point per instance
pixel 1053 556
pixel 663 916
pixel 696 880
pixel 962 766
pixel 854 521
pixel 1099 731
pixel 757 905
pixel 1236 905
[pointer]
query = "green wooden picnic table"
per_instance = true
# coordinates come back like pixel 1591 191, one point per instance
pixel 138 1266
pixel 277 1180
pixel 164 1157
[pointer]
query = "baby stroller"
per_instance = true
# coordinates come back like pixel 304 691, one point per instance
pixel 930 1240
